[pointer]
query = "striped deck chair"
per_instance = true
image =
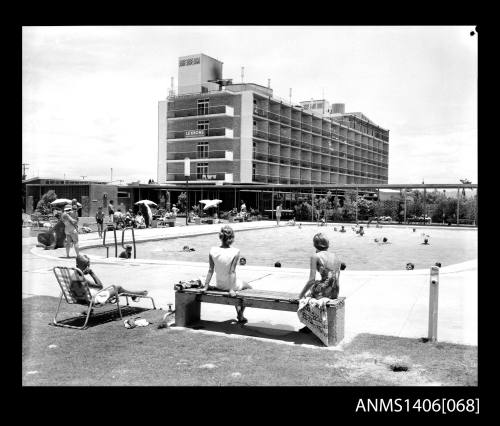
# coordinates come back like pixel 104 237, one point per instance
pixel 81 295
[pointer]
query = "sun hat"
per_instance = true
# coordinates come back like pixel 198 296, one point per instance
pixel 67 207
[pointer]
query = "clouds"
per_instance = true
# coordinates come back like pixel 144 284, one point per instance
pixel 90 93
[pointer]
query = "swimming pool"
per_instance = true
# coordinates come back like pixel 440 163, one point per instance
pixel 292 247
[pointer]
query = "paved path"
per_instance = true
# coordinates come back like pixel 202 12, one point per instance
pixel 380 302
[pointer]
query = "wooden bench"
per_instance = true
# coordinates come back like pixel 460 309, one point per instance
pixel 188 304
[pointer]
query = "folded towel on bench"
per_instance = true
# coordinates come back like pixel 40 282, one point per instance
pixel 181 285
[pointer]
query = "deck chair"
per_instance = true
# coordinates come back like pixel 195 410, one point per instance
pixel 82 295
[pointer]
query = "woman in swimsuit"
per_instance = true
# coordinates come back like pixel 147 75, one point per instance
pixel 223 260
pixel 328 266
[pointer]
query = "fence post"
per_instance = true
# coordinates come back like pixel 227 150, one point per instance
pixel 433 303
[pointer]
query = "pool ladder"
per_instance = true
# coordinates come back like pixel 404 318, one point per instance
pixel 116 242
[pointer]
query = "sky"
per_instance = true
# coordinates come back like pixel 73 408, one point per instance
pixel 90 94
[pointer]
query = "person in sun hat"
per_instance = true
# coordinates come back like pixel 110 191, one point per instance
pixel 70 229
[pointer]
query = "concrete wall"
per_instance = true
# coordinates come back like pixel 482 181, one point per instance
pixel 246 135
pixel 100 195
pixel 161 175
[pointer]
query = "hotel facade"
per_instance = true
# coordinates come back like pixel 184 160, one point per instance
pixel 242 133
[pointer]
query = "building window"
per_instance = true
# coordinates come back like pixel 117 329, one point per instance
pixel 203 150
pixel 203 125
pixel 203 106
pixel 201 170
pixel 254 171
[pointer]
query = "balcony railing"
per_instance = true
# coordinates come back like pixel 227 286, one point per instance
pixel 193 112
pixel 197 155
pixel 273 116
pixel 195 176
pixel 262 156
pixel 201 133
pixel 260 112
pixel 260 134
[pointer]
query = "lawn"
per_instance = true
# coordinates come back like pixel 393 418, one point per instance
pixel 109 354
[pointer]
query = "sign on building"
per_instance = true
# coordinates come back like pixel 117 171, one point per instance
pixel 194 133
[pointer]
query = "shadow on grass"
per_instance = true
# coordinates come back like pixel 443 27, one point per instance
pixel 282 332
pixel 100 316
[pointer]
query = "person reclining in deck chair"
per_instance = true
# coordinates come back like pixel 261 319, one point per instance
pixel 224 260
pixel 95 287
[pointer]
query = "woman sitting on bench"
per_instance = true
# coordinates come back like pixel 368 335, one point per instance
pixel 95 286
pixel 327 265
pixel 224 260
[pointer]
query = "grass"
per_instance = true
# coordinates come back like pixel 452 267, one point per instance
pixel 109 354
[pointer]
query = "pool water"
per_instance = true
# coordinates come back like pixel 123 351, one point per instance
pixel 292 247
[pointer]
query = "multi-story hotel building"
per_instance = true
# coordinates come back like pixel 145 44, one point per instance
pixel 242 133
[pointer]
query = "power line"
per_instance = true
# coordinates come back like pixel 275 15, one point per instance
pixel 25 167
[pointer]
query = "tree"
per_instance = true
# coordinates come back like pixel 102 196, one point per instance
pixel 43 206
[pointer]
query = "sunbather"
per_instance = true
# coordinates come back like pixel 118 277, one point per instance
pixel 326 263
pixel 95 286
pixel 223 260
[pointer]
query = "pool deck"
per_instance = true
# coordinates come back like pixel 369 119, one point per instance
pixel 391 303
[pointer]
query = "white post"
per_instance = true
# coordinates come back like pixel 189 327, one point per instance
pixel 433 303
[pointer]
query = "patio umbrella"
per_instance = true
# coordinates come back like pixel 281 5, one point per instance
pixel 60 201
pixel 210 203
pixel 148 202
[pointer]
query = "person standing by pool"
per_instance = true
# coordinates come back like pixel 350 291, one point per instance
pixel 278 213
pixel 70 229
pixel 99 219
pixel 223 261
pixel 111 212
pixel 175 210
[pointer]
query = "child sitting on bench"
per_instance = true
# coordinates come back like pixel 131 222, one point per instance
pixel 223 260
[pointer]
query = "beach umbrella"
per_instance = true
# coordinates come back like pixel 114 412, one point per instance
pixel 210 203
pixel 148 202
pixel 63 201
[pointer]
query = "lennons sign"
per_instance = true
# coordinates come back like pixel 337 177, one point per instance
pixel 194 133
pixel 189 61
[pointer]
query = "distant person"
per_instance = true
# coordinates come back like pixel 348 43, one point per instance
pixel 118 219
pixel 243 261
pixel 278 214
pixel 139 221
pixel 243 208
pixel 277 265
pixel 175 210
pixel 223 260
pixel 342 229
pixel 70 229
pixel 291 222
pixel 322 222
pixel 426 240
pixel 99 219
pixel 187 248
pixel 148 216
pixel 111 211
pixel 300 225
pixel 335 228
pixel 438 264
pixel 410 266
pixel 127 253
pixel 361 231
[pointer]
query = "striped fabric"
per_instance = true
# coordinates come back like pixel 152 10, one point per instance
pixel 79 292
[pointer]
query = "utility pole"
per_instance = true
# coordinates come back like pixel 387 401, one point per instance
pixel 25 167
